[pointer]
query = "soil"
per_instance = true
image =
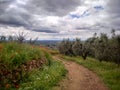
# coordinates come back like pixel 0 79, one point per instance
pixel 79 78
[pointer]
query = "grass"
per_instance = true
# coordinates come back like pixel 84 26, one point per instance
pixel 16 57
pixel 15 54
pixel 45 79
pixel 107 71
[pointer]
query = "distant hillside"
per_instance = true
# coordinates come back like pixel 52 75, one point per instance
pixel 48 43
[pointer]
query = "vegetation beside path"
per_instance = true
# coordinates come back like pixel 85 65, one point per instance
pixel 46 78
pixel 27 67
pixel 109 72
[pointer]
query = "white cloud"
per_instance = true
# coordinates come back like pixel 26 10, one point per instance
pixel 57 19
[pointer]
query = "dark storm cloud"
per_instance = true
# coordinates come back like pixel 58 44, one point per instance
pixel 14 17
pixel 53 7
pixel 4 4
pixel 96 27
pixel 114 13
pixel 45 30
pixel 82 28
pixel 23 14
pixel 113 8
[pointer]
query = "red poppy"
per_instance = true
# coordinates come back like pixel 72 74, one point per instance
pixel 7 86
pixel 17 86
pixel 1 47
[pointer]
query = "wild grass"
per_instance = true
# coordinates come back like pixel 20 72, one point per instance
pixel 16 57
pixel 15 54
pixel 46 78
pixel 109 72
pixel 13 62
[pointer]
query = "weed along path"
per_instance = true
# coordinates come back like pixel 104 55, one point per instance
pixel 79 78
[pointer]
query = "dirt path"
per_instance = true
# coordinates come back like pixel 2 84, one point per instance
pixel 79 78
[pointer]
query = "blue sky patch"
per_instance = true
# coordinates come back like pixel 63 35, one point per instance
pixel 98 7
pixel 85 13
pixel 74 15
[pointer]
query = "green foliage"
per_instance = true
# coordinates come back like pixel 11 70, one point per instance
pixel 101 47
pixel 108 71
pixel 16 61
pixel 2 38
pixel 16 54
pixel 65 47
pixel 73 48
pixel 104 48
pixel 115 45
pixel 77 47
pixel 46 78
pixel 49 58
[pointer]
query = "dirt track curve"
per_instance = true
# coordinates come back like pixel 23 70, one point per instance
pixel 79 78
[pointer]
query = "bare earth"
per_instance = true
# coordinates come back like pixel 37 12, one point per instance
pixel 79 78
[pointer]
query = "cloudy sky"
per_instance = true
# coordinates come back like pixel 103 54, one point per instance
pixel 58 19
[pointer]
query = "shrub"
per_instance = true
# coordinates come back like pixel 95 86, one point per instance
pixel 16 60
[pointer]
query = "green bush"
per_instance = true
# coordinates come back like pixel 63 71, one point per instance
pixel 15 58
